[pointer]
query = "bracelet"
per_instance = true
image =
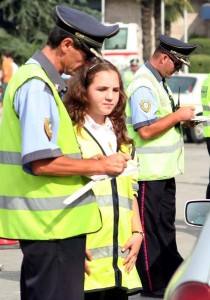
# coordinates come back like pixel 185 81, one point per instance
pixel 139 232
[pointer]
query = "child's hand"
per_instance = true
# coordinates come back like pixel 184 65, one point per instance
pixel 133 244
pixel 88 257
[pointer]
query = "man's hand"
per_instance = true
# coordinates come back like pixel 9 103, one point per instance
pixel 185 113
pixel 113 164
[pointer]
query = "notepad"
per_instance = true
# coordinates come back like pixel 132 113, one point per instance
pixel 132 167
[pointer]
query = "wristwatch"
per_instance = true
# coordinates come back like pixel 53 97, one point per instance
pixel 139 232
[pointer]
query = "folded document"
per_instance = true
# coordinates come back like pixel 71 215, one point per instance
pixel 132 167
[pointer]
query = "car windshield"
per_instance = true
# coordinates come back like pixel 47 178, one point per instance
pixel 119 41
pixel 181 84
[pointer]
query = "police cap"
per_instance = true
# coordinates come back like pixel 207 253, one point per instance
pixel 88 31
pixel 134 62
pixel 177 48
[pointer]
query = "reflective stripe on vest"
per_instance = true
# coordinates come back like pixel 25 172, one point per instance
pixel 106 200
pixel 31 206
pixel 163 149
pixel 161 157
pixel 43 204
pixel 14 158
pixel 107 251
pixel 205 97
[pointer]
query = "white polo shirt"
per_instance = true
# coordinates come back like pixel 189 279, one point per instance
pixel 104 134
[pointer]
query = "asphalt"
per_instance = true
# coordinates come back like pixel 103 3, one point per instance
pixel 10 276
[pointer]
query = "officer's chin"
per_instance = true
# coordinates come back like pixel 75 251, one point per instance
pixel 73 72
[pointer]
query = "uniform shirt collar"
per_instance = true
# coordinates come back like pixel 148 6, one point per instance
pixel 51 71
pixel 154 71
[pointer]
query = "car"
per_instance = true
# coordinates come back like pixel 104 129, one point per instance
pixel 191 281
pixel 186 89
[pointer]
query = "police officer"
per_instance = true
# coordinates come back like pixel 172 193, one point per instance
pixel 154 123
pixel 41 163
pixel 128 74
pixel 205 97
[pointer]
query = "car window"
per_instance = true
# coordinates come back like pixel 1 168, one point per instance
pixel 185 84
pixel 119 41
pixel 196 212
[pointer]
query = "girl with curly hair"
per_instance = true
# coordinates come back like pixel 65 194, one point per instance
pixel 96 104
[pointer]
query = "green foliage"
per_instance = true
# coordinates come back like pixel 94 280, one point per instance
pixel 203 45
pixel 25 24
pixel 175 9
pixel 200 60
pixel 199 63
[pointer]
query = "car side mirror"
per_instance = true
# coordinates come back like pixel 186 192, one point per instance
pixel 196 212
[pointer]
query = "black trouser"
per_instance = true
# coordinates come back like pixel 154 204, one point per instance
pixel 158 257
pixel 53 270
pixel 110 294
pixel 208 186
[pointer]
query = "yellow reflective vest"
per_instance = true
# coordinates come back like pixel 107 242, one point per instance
pixel 161 157
pixel 31 207
pixel 115 199
pixel 128 76
pixel 205 97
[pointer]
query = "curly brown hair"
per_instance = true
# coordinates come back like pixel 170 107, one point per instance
pixel 76 101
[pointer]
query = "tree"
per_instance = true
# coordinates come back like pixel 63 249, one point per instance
pixel 157 18
pixel 147 8
pixel 24 24
pixel 152 8
pixel 174 9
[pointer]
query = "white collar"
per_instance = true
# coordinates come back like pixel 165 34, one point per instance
pixel 90 123
pixel 104 134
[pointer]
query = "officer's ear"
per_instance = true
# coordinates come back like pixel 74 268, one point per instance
pixel 66 44
pixel 165 57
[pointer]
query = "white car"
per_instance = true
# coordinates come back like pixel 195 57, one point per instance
pixel 186 89
pixel 191 281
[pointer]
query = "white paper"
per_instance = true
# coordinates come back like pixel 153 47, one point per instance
pixel 79 193
pixel 200 119
pixel 132 167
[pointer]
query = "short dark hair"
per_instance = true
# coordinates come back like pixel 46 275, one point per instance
pixel 56 36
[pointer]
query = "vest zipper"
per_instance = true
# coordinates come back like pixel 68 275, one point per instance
pixel 117 272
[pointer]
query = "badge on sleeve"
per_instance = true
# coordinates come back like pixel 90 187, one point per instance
pixel 145 105
pixel 48 127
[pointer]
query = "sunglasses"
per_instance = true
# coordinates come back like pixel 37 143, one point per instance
pixel 81 45
pixel 89 55
pixel 177 65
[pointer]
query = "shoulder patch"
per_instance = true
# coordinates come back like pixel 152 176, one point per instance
pixel 47 127
pixel 145 105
